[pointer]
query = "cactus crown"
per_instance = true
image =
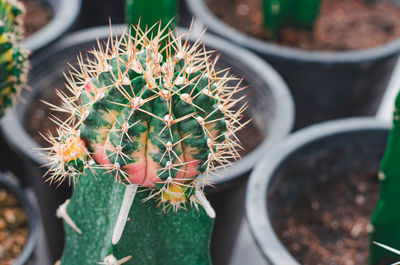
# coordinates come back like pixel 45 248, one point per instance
pixel 13 59
pixel 153 110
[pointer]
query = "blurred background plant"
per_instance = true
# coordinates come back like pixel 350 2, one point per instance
pixel 301 13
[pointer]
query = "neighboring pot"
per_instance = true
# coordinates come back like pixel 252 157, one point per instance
pixel 311 156
pixel 65 13
pixel 325 85
pixel 270 106
pixel 26 256
pixel 101 12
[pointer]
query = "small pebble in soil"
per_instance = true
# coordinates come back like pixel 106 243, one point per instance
pixel 315 205
pixel 335 225
pixel 243 9
pixel 360 199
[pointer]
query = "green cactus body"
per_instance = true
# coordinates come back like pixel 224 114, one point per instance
pixel 13 59
pixel 301 13
pixel 146 123
pixel 149 12
pixel 150 237
pixel 386 218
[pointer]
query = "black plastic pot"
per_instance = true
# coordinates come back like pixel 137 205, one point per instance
pixel 270 106
pixel 101 12
pixel 26 256
pixel 325 85
pixel 311 156
pixel 65 13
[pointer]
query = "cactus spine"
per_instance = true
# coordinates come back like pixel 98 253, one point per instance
pixel 13 59
pixel 149 118
pixel 301 13
pixel 386 217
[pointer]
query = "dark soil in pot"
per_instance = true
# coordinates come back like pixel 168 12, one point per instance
pixel 331 222
pixel 310 199
pixel 37 15
pixel 14 228
pixel 341 25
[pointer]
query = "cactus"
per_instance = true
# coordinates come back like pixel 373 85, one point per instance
pixel 301 13
pixel 149 12
pixel 13 59
pixel 386 217
pixel 145 122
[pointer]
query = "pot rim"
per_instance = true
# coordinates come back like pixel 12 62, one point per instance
pixel 31 242
pixel 260 179
pixel 282 124
pixel 206 17
pixel 65 15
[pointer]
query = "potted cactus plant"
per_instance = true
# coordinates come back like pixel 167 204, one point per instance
pixel 13 62
pixel 13 58
pixel 347 79
pixel 270 122
pixel 147 117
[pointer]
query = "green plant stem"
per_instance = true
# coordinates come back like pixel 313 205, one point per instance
pixel 386 218
pixel 149 12
pixel 150 236
pixel 300 13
